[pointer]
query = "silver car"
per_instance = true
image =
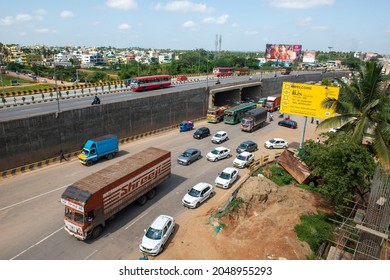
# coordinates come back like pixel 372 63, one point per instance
pixel 189 156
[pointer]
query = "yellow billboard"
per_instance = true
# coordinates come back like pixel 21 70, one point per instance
pixel 305 99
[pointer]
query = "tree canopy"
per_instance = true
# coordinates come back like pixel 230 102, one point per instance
pixel 363 110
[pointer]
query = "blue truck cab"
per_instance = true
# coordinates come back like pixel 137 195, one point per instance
pixel 94 149
pixel 186 126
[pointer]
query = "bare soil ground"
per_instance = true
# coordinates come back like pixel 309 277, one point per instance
pixel 263 228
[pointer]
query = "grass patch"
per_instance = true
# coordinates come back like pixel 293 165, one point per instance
pixel 315 229
pixel 275 173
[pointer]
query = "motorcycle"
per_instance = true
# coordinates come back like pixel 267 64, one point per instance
pixel 96 101
pixel 218 82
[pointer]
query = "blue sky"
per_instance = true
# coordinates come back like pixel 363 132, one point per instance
pixel 246 25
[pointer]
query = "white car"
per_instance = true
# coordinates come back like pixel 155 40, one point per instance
pixel 197 194
pixel 276 143
pixel 218 153
pixel 243 160
pixel 220 137
pixel 157 235
pixel 227 177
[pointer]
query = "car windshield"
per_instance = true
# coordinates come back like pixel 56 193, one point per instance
pixel 241 157
pixel 194 193
pixel 224 175
pixel 218 135
pixel 243 145
pixel 186 154
pixel 272 141
pixel 215 152
pixel 153 233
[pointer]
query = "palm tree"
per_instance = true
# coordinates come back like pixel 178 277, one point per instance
pixel 363 110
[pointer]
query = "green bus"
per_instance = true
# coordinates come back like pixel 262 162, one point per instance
pixel 235 114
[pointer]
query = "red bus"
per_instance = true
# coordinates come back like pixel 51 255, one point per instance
pixel 148 82
pixel 222 71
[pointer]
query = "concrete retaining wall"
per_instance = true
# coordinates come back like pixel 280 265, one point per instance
pixel 37 138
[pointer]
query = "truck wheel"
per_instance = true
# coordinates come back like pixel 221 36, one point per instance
pixel 96 232
pixel 142 200
pixel 151 193
pixel 89 163
pixel 110 156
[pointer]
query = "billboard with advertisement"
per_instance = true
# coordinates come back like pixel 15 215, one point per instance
pixel 305 99
pixel 309 56
pixel 283 52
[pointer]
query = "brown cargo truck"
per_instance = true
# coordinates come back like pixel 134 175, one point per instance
pixel 215 114
pixel 92 200
pixel 273 102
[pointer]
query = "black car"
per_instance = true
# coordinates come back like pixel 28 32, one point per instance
pixel 288 123
pixel 201 132
pixel 247 146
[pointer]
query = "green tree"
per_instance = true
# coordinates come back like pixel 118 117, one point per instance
pixel 341 169
pixel 363 111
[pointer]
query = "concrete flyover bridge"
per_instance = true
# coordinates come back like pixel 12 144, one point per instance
pixel 233 93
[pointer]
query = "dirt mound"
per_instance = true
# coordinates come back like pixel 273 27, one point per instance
pixel 262 228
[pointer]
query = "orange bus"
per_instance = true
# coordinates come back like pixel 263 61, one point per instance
pixel 148 82
pixel 222 71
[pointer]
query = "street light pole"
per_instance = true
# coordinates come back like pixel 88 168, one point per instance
pixel 55 86
pixel 207 72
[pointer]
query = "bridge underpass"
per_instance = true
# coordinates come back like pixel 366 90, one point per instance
pixel 234 94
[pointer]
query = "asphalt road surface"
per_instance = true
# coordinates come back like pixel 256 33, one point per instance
pixel 31 213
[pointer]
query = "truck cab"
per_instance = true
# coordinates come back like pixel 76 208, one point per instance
pixel 94 149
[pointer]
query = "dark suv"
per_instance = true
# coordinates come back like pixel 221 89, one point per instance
pixel 247 146
pixel 201 132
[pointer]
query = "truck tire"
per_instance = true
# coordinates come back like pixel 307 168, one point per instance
pixel 151 193
pixel 96 232
pixel 89 163
pixel 142 200
pixel 110 156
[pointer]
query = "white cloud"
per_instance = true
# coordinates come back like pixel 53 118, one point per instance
pixel 7 21
pixel 219 20
pixel 23 17
pixel 251 32
pixel 303 21
pixel 122 4
pixel 41 12
pixel 42 30
pixel 184 6
pixel 124 26
pixel 189 24
pixel 319 27
pixel 300 4
pixel 66 14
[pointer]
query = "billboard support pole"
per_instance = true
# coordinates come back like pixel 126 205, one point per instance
pixel 303 133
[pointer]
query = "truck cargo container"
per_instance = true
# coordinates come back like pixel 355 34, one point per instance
pixel 254 119
pixel 90 201
pixel 94 149
pixel 273 102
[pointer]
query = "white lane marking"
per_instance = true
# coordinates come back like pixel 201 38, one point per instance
pixel 32 246
pixel 139 218
pixel 31 198
pixel 87 257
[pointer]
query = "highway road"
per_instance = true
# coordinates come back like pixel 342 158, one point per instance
pixel 31 214
pixel 79 100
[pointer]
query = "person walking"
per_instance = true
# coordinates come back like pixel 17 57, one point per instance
pixel 62 156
